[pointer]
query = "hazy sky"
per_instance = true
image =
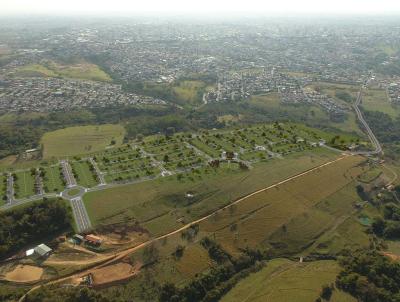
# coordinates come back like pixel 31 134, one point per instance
pixel 199 6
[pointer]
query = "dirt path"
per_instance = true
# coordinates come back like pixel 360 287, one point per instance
pixel 122 254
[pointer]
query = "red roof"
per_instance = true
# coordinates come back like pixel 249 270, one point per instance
pixel 93 238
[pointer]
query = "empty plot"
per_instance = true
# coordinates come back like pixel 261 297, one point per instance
pixel 259 216
pixel 83 174
pixel 80 140
pixel 24 184
pixel 53 179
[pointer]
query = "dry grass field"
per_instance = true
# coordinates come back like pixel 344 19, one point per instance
pixel 286 281
pixel 254 220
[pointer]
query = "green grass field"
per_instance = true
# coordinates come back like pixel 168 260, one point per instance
pixel 80 140
pixel 53 181
pixel 24 185
pixel 84 176
pixel 160 203
pixel 377 100
pixel 286 281
pixel 190 92
pixel 81 70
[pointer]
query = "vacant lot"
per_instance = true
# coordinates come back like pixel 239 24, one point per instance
pixel 79 140
pixel 24 184
pixel 284 218
pixel 377 100
pixel 83 175
pixel 190 92
pixel 24 273
pixel 80 70
pixel 53 180
pixel 159 205
pixel 284 281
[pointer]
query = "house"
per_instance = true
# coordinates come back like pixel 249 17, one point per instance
pixel 42 250
pixel 92 239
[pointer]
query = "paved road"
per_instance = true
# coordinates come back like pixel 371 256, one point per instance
pixel 67 171
pixel 100 175
pixel 80 214
pixel 10 188
pixel 371 135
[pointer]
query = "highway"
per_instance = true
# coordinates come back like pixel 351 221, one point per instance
pixel 371 135
pixel 80 214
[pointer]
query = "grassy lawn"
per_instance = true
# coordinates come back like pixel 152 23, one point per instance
pixel 160 203
pixel 53 181
pixel 24 185
pixel 84 176
pixel 283 281
pixel 377 100
pixel 81 70
pixel 79 140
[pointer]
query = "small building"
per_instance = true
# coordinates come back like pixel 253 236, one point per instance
pixel 42 250
pixel 92 239
pixel 30 252
pixel 78 239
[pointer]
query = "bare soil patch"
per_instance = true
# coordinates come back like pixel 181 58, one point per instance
pixel 24 273
pixel 114 273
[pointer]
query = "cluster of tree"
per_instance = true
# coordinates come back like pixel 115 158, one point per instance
pixel 48 294
pixel 344 96
pixel 215 251
pixel 27 225
pixel 385 127
pixel 10 293
pixel 370 276
pixel 212 285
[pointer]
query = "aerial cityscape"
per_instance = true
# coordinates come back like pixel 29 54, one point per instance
pixel 184 154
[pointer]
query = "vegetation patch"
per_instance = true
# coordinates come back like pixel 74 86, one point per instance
pixel 79 70
pixel 80 140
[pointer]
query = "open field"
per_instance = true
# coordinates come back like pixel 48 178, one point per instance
pixel 285 281
pixel 81 70
pixel 286 218
pixel 189 91
pixel 211 188
pixel 332 89
pixel 79 140
pixel 377 100
pixel 53 180
pixel 24 184
pixel 24 273
pixel 83 175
